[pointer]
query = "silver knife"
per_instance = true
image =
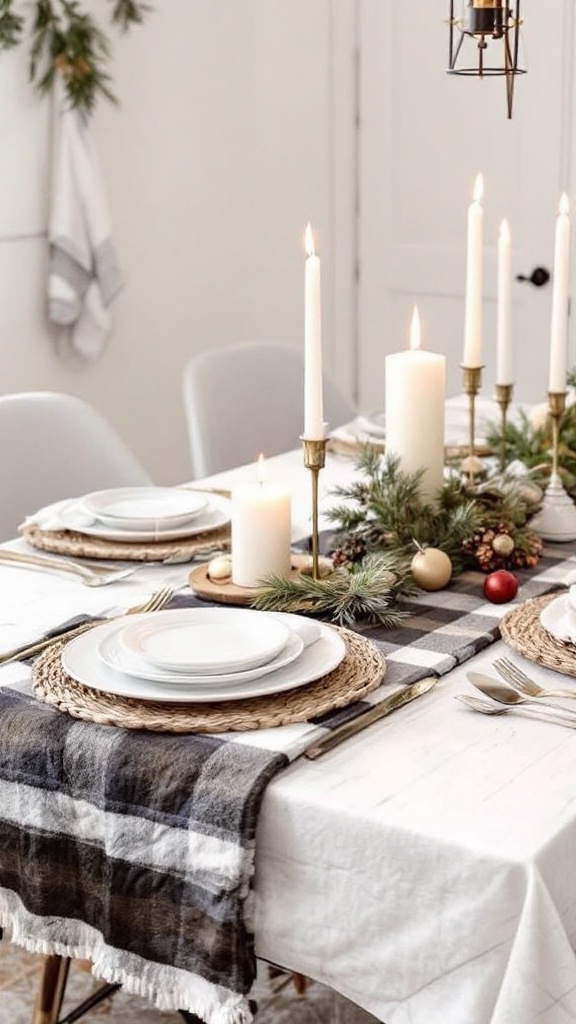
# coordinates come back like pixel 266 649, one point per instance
pixel 373 714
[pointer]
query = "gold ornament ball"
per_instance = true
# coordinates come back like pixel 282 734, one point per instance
pixel 503 544
pixel 431 568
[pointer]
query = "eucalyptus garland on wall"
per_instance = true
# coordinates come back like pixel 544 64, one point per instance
pixel 67 40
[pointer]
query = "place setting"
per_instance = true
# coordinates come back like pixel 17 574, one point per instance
pixel 207 670
pixel 167 524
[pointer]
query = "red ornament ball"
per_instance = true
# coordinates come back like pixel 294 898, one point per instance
pixel 500 586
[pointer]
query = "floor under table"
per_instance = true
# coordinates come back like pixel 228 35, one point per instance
pixel 279 1003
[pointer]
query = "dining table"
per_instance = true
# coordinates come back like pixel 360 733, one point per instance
pixel 423 867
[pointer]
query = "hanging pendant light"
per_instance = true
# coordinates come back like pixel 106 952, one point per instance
pixel 481 22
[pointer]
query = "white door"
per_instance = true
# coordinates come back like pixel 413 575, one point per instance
pixel 423 137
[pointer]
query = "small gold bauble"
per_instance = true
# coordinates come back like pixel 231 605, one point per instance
pixel 503 544
pixel 431 568
pixel 220 568
pixel 531 492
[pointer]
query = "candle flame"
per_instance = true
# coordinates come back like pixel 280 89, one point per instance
pixel 505 231
pixel 564 205
pixel 261 469
pixel 415 330
pixel 478 188
pixel 309 241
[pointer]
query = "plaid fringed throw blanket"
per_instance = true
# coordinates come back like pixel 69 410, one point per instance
pixel 136 850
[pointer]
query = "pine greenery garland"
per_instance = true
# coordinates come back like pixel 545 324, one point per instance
pixel 384 512
pixel 532 445
pixel 377 525
pixel 66 40
pixel 368 590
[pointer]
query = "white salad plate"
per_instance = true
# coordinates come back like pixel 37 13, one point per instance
pixel 559 619
pixel 144 508
pixel 216 515
pixel 81 660
pixel 114 655
pixel 207 641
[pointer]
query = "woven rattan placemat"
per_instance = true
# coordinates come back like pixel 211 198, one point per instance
pixel 69 542
pixel 522 630
pixel 361 671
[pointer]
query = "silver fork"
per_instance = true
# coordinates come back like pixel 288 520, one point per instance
pixel 93 576
pixel 154 603
pixel 517 678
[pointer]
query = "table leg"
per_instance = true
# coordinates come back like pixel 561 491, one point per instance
pixel 51 991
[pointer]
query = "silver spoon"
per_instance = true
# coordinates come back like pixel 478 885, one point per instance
pixel 492 709
pixel 504 694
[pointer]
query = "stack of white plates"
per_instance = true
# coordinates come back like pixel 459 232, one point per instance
pixel 203 654
pixel 146 513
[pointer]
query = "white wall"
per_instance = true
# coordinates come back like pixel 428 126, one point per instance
pixel 220 152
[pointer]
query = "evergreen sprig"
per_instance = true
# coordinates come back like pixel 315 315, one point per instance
pixel 532 445
pixel 66 40
pixel 385 512
pixel 367 591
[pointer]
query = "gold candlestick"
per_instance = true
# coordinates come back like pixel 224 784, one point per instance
pixel 556 520
pixel 503 396
pixel 472 383
pixel 314 460
pixel 557 407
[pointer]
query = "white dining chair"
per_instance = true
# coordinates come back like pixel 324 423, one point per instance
pixel 246 398
pixel 55 446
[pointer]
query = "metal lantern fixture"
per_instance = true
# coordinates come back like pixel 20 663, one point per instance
pixel 481 21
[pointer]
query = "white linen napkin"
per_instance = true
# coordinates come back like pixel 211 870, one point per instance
pixel 84 275
pixel 68 514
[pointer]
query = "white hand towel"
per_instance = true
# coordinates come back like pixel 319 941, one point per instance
pixel 84 275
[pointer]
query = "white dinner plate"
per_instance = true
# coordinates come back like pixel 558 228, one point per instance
pixel 145 508
pixel 559 619
pixel 215 516
pixel 114 655
pixel 81 660
pixel 208 641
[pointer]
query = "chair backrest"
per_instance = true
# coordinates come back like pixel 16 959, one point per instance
pixel 55 446
pixel 247 398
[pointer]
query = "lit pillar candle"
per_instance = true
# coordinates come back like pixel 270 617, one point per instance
pixel 559 325
pixel 504 354
pixel 313 398
pixel 415 395
pixel 473 310
pixel 261 530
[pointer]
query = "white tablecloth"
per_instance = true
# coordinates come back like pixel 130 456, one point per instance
pixel 424 868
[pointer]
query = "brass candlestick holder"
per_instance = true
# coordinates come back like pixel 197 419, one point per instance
pixel 556 520
pixel 472 383
pixel 503 396
pixel 315 460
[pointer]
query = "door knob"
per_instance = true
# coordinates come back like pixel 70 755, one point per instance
pixel 538 277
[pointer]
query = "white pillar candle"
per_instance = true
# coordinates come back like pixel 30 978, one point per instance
pixel 473 310
pixel 261 530
pixel 559 325
pixel 415 395
pixel 505 353
pixel 313 397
